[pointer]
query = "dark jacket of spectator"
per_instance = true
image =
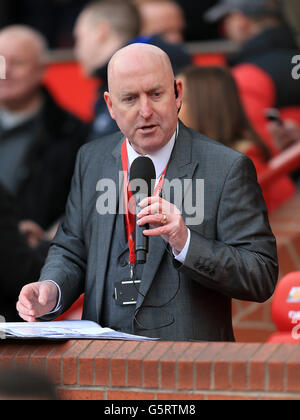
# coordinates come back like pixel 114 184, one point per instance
pixel 44 177
pixel 272 51
pixel 19 264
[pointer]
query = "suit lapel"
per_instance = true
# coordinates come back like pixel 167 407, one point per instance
pixel 180 167
pixel 106 224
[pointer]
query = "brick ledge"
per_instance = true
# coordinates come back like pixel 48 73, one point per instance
pixel 114 370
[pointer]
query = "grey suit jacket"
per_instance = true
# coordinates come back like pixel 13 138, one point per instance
pixel 232 254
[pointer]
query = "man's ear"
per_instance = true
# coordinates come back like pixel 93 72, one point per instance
pixel 178 91
pixel 109 105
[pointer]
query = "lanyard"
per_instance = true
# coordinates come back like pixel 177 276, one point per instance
pixel 130 215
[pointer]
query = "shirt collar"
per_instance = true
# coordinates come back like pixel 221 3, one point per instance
pixel 160 158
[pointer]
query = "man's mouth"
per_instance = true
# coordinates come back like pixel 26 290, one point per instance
pixel 148 129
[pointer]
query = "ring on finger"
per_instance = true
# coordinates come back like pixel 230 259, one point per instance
pixel 164 219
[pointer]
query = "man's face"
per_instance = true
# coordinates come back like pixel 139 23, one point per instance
pixel 24 69
pixel 236 27
pixel 142 101
pixel 87 44
pixel 163 19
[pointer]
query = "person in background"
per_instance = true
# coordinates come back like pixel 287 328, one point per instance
pixel 101 29
pixel 20 263
pixel 286 134
pixel 263 37
pixel 162 17
pixel 212 106
pixel 38 139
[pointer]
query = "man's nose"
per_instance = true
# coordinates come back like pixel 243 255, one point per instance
pixel 146 110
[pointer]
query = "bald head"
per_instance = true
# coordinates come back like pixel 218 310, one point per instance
pixel 24 50
pixel 31 40
pixel 141 96
pixel 137 57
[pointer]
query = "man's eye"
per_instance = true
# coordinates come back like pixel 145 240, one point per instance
pixel 129 99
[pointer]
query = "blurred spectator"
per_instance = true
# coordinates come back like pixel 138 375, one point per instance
pixel 212 106
pixel 102 28
pixel 286 134
pixel 38 140
pixel 26 384
pixel 20 264
pixel 56 18
pixel 162 17
pixel 265 40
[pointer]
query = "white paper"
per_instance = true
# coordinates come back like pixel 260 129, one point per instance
pixel 65 330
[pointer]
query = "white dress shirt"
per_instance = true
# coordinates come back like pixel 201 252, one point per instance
pixel 160 160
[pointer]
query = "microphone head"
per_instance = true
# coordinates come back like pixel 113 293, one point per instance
pixel 143 176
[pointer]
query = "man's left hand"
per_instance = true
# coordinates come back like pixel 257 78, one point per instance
pixel 165 220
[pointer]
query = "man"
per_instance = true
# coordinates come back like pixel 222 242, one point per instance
pixel 264 40
pixel 38 139
pixel 162 17
pixel 192 273
pixel 101 29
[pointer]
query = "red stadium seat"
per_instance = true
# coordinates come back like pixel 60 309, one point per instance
pixel 286 310
pixel 74 313
pixel 209 60
pixel 258 93
pixel 72 89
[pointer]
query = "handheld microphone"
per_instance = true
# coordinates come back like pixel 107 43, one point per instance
pixel 142 177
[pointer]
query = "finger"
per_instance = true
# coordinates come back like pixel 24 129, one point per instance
pixel 27 296
pixel 151 219
pixel 160 231
pixel 152 209
pixel 23 310
pixel 44 294
pixel 36 312
pixel 149 200
pixel 28 316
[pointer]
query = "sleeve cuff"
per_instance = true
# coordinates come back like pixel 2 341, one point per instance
pixel 58 305
pixel 182 255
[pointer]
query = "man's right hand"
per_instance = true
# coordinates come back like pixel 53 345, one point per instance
pixel 37 300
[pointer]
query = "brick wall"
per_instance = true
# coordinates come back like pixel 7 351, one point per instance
pixel 252 321
pixel 113 370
